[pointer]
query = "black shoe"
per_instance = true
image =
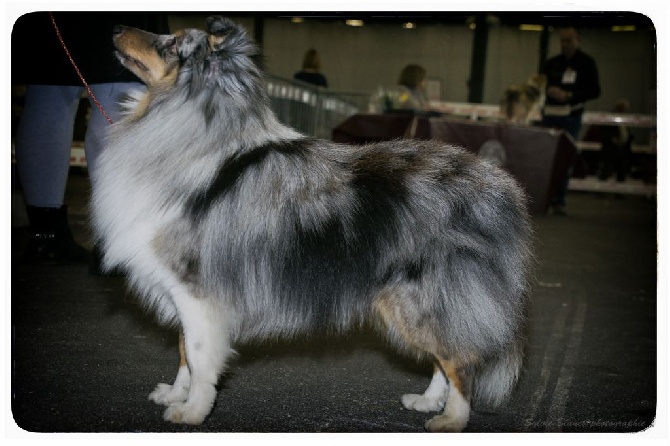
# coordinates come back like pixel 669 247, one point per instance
pixel 50 249
pixel 50 241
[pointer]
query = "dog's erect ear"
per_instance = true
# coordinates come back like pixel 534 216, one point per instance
pixel 169 43
pixel 218 29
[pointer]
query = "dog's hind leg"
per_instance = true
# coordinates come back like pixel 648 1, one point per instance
pixel 457 408
pixel 433 399
pixel 451 386
pixel 207 347
pixel 167 394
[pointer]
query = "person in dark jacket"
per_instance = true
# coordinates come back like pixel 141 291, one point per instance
pixel 52 95
pixel 572 79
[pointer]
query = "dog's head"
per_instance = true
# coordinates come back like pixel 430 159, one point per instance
pixel 159 60
pixel 538 81
pixel 519 101
pixel 152 57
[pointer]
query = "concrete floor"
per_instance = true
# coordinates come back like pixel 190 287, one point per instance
pixel 85 357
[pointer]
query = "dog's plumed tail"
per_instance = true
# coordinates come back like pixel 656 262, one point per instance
pixel 496 378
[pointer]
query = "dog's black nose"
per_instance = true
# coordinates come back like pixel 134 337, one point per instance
pixel 118 29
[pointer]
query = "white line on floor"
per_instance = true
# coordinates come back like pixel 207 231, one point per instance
pixel 560 397
pixel 550 353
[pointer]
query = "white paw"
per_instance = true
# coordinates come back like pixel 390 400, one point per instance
pixel 185 413
pixel 165 394
pixel 422 403
pixel 446 423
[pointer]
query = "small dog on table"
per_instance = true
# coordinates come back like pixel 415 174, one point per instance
pixel 520 103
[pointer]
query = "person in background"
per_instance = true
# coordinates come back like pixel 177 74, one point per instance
pixel 572 79
pixel 311 70
pixel 616 146
pixel 45 128
pixel 412 94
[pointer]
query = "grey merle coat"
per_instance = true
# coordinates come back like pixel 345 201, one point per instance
pixel 235 227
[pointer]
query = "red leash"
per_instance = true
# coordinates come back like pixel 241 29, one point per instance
pixel 88 89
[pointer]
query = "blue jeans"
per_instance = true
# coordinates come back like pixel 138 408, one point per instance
pixel 44 136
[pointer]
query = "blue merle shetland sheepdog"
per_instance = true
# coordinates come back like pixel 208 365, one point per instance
pixel 235 228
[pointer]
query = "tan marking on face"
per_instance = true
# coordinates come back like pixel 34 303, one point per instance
pixel 215 41
pixel 139 55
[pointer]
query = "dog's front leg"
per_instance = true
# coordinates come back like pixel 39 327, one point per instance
pixel 206 344
pixel 167 394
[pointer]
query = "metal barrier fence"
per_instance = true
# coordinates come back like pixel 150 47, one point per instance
pixel 312 110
